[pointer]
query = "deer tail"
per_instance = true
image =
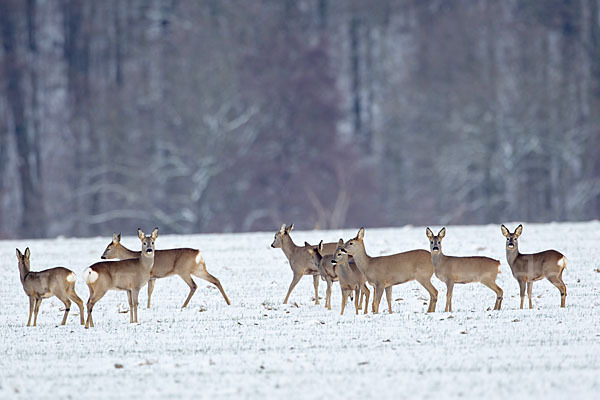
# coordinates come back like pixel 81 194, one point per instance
pixel 90 276
pixel 71 277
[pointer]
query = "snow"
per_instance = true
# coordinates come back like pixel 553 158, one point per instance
pixel 258 347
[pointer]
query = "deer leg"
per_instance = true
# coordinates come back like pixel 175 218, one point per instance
pixel 529 292
pixel 31 306
pixel 212 279
pixel 316 285
pixel 150 290
pixel 377 298
pixel 367 293
pixel 73 296
pixel 356 297
pixel 344 300
pixel 362 297
pixel 498 291
pixel 95 296
pixel 560 285
pixel 433 293
pixel 130 306
pixel 295 281
pixel 134 301
pixel 449 290
pixel 38 303
pixel 328 294
pixel 190 282
pixel 522 291
pixel 65 299
pixel 388 297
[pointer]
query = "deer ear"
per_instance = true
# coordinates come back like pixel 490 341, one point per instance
pixel 505 231
pixel 341 242
pixel 321 246
pixel 282 229
pixel 442 233
pixel 19 255
pixel 27 253
pixel 519 230
pixel 361 233
pixel 306 244
pixel 154 233
pixel 141 234
pixel 116 238
pixel 289 228
pixel 429 233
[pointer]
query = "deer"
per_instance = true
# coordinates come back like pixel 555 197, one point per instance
pixel 350 277
pixel 383 272
pixel 528 268
pixel 299 259
pixel 321 262
pixel 452 270
pixel 129 275
pixel 57 281
pixel 327 270
pixel 183 262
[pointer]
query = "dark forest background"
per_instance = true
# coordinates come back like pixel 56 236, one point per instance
pixel 225 115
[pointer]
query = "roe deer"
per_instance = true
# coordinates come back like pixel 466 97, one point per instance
pixel 299 259
pixel 451 270
pixel 385 271
pixel 350 277
pixel 527 268
pixel 321 262
pixel 58 281
pixel 182 262
pixel 130 275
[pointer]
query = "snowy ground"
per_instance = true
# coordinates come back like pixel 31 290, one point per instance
pixel 258 347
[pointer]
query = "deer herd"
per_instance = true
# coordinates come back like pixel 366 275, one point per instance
pixel 345 262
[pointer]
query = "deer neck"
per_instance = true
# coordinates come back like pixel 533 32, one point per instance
pixel 512 254
pixel 23 271
pixel 124 253
pixel 147 261
pixel 438 258
pixel 288 246
pixel 361 258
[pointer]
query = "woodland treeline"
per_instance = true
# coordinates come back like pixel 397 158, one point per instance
pixel 220 116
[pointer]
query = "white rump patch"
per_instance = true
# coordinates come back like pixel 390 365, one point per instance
pixel 90 276
pixel 71 277
pixel 562 262
pixel 199 258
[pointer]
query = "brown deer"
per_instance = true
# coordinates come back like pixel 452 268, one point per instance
pixel 183 262
pixel 527 268
pixel 350 277
pixel 58 281
pixel 299 259
pixel 321 262
pixel 130 275
pixel 451 270
pixel 386 271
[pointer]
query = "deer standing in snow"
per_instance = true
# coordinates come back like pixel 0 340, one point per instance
pixel 58 281
pixel 129 275
pixel 350 277
pixel 451 270
pixel 299 259
pixel 183 262
pixel 386 271
pixel 528 268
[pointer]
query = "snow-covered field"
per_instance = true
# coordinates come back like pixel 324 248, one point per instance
pixel 258 347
